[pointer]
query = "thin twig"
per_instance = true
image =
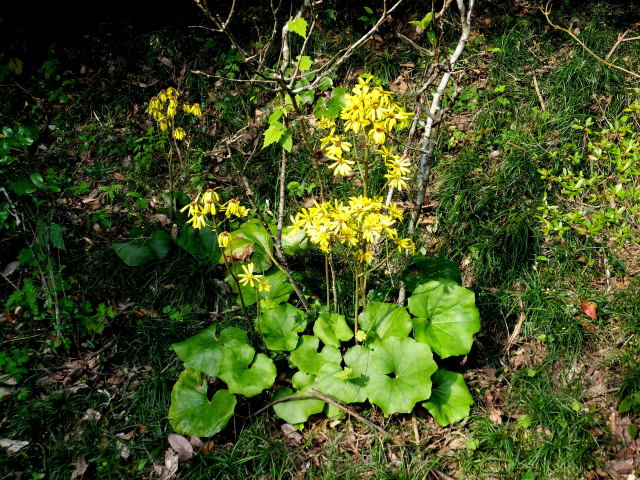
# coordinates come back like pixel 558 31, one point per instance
pixel 426 51
pixel 325 398
pixel 281 198
pixel 621 38
pixel 547 11
pixel 537 88
pixel 338 59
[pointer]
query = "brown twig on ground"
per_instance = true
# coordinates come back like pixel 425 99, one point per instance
pixel 546 11
pixel 537 88
pixel 622 37
pixel 325 398
pixel 518 328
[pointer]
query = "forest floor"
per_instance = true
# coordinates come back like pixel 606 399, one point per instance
pixel 85 389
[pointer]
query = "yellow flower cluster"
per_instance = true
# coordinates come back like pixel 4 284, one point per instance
pixel 358 225
pixel 371 111
pixel 210 205
pixel 164 107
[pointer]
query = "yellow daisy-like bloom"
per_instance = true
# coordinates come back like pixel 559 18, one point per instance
pixel 179 133
pixel 378 133
pixel 394 211
pixel 336 147
pixel 195 110
pixel 233 207
pixel 224 239
pixel 197 219
pixel 386 152
pixel 326 123
pixel 192 207
pixel 264 286
pixel 208 200
pixel 396 180
pixel 342 166
pixel 397 164
pixel 248 277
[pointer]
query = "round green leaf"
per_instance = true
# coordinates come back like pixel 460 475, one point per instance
pixel 307 358
pixel 203 351
pixel 344 385
pixel 382 320
pixel 242 378
pixel 399 372
pixel 279 326
pixel 296 411
pixel 192 413
pixel 450 398
pixel 447 317
pixel 294 241
pixel 279 293
pixel 332 328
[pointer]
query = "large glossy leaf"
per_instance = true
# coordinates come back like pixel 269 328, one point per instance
pixel 424 269
pixel 203 351
pixel 254 231
pixel 343 384
pixel 447 317
pixel 450 399
pixel 279 293
pixel 192 413
pixel 382 320
pixel 280 325
pixel 296 411
pixel 399 371
pixel 294 241
pixel 332 328
pixel 143 250
pixel 200 243
pixel 307 358
pixel 244 372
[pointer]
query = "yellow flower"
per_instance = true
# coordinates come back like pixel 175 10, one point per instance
pixel 396 180
pixel 233 207
pixel 386 152
pixel 342 166
pixel 197 219
pixel 195 110
pixel 179 133
pixel 397 164
pixel 337 146
pixel 248 277
pixel 192 206
pixel 224 239
pixel 378 133
pixel 264 286
pixel 208 200
pixel 326 123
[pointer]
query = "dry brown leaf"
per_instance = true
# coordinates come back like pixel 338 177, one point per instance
pixel 589 308
pixel 81 468
pixel 195 442
pixel 13 446
pixel 181 445
pixel 399 85
pixel 166 62
pixel 10 268
pixel 291 435
pixel 206 448
pixel 91 414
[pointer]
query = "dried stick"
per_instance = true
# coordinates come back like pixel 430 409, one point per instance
pixel 427 137
pixel 282 261
pixel 325 398
pixel 344 54
pixel 547 11
pixel 281 199
pixel 621 38
pixel 537 88
pixel 431 127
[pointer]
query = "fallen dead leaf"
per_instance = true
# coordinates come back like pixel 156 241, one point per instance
pixel 399 85
pixel 206 448
pixel 81 468
pixel 589 308
pixel 13 446
pixel 291 435
pixel 181 445
pixel 91 414
pixel 124 450
pixel 195 442
pixel 10 268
